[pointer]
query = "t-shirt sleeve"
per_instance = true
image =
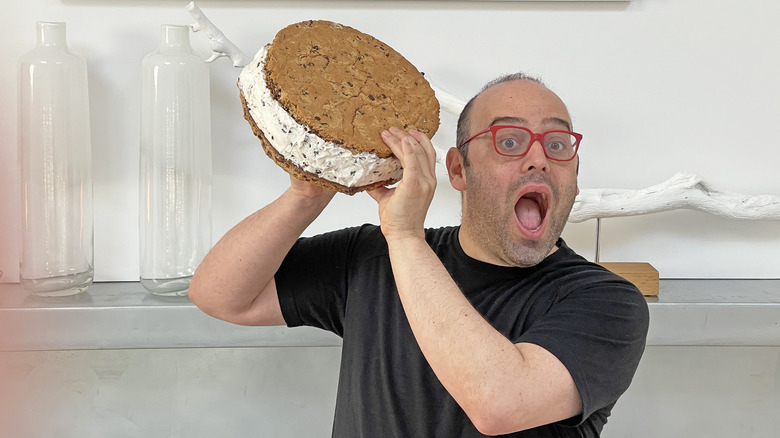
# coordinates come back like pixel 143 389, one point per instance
pixel 311 281
pixel 598 331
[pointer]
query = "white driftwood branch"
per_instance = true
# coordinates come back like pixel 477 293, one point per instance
pixel 218 42
pixel 447 101
pixel 682 191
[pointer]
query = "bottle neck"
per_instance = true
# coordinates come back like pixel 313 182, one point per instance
pixel 175 38
pixel 51 34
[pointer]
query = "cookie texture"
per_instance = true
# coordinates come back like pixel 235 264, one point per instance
pixel 348 86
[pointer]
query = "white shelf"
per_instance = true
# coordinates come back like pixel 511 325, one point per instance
pixel 716 313
pixel 125 316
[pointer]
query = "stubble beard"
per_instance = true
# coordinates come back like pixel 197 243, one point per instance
pixel 492 221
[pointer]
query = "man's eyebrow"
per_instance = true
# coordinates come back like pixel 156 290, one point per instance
pixel 508 119
pixel 521 121
pixel 557 121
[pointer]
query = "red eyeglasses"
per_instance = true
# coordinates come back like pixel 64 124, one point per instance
pixel 516 141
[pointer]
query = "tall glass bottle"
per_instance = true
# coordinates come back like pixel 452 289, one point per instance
pixel 175 192
pixel 55 155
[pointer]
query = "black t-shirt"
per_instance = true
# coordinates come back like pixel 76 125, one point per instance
pixel 593 321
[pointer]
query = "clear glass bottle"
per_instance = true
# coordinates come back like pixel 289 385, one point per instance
pixel 175 192
pixel 55 156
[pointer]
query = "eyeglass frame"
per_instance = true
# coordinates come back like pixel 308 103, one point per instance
pixel 534 137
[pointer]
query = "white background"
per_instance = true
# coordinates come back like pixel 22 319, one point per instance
pixel 655 86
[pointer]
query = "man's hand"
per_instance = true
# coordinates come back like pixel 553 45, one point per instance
pixel 309 190
pixel 402 209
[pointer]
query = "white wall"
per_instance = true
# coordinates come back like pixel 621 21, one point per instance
pixel 655 86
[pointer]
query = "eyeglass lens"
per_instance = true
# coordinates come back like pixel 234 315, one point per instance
pixel 515 142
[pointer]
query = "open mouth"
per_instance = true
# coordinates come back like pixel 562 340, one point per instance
pixel 531 211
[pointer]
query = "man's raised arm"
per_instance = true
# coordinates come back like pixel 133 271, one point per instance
pixel 501 386
pixel 235 281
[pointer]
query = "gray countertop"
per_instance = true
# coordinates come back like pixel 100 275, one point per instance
pixel 121 315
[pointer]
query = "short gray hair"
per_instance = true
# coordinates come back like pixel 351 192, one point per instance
pixel 462 133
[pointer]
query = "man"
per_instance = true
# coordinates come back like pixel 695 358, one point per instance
pixel 494 327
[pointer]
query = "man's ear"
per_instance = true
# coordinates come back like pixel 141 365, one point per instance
pixel 456 169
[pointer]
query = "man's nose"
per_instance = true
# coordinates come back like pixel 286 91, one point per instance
pixel 535 159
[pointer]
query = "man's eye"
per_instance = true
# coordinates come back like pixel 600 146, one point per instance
pixel 556 146
pixel 509 143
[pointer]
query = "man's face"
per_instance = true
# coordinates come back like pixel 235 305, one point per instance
pixel 514 208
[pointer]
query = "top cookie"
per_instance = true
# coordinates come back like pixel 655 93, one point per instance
pixel 347 86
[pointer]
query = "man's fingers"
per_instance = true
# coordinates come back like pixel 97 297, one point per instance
pixel 379 193
pixel 414 150
pixel 425 155
pixel 393 140
pixel 423 139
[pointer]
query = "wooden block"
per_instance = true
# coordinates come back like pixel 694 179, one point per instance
pixel 643 275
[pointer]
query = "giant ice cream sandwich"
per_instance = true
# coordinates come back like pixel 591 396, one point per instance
pixel 319 96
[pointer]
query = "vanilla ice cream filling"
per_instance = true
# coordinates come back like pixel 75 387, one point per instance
pixel 304 148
